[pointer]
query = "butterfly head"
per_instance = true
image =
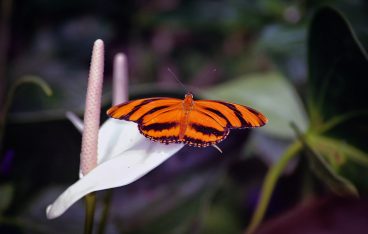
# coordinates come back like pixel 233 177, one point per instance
pixel 188 100
pixel 189 95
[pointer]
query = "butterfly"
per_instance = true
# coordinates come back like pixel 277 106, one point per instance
pixel 197 123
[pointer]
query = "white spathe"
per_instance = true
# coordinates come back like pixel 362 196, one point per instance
pixel 124 156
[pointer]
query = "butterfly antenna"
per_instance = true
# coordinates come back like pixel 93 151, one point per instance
pixel 177 79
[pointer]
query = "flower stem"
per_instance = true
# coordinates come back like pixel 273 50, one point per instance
pixel 269 184
pixel 90 201
pixel 105 211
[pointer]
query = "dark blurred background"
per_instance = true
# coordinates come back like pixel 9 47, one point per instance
pixel 251 52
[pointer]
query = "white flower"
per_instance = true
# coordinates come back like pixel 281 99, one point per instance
pixel 124 156
pixel 116 154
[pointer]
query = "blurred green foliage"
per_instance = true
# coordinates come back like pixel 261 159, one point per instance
pixel 336 99
pixel 269 93
pixel 337 110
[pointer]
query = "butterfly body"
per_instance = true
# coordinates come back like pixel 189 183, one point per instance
pixel 196 123
pixel 188 105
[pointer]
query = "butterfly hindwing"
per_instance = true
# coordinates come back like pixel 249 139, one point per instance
pixel 164 127
pixel 203 129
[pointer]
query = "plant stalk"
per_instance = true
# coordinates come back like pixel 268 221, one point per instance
pixel 90 201
pixel 269 184
pixel 105 212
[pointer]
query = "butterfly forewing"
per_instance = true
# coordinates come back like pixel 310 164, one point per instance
pixel 235 115
pixel 252 117
pixel 142 109
pixel 157 118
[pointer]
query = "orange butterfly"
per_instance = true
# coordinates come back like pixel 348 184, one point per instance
pixel 196 123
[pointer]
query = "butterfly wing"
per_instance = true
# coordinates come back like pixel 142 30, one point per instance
pixel 142 110
pixel 157 118
pixel 208 122
pixel 231 115
pixel 164 126
pixel 203 129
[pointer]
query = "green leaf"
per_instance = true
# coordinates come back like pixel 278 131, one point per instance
pixel 337 97
pixel 337 183
pixel 269 93
pixel 338 151
pixel 338 107
pixel 338 68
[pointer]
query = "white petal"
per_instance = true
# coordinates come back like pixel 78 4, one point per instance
pixel 117 136
pixel 119 170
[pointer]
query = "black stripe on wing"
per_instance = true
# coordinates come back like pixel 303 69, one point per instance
pixel 237 113
pixel 119 112
pixel 155 112
pixel 228 109
pixel 152 111
pixel 192 141
pixel 159 126
pixel 217 113
pixel 137 107
pixel 207 130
